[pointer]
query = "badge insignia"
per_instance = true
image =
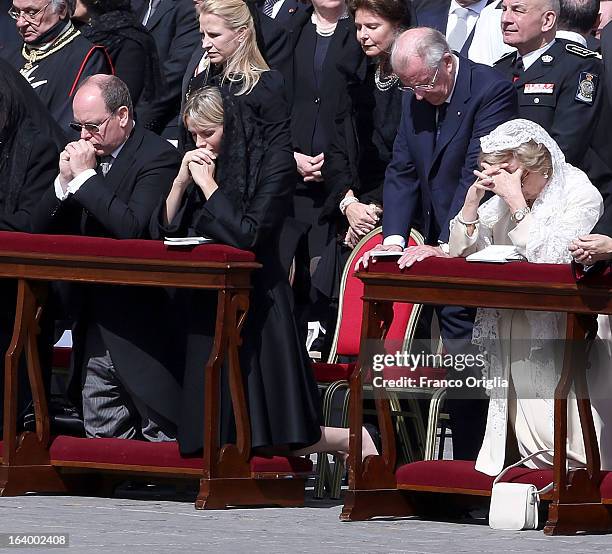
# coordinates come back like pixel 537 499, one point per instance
pixel 587 87
pixel 546 58
pixel 539 88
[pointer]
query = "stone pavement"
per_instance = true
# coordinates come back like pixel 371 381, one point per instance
pixel 152 526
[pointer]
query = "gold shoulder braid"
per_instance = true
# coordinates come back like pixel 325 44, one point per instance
pixel 32 55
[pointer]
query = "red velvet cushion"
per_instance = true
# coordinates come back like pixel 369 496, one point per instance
pixel 458 267
pixel 460 474
pixel 61 356
pixel 352 311
pixel 328 373
pixel 165 454
pixel 141 249
pixel 606 487
pixel 120 451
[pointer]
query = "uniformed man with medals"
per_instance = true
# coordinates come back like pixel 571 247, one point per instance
pixel 558 81
pixel 54 58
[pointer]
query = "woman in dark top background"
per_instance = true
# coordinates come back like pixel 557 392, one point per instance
pixel 236 188
pixel 131 48
pixel 363 142
pixel 235 63
pixel 326 57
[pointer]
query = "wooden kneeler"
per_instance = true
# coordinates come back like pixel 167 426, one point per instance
pixel 39 462
pixel 581 501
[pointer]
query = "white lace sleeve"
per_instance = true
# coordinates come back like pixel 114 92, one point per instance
pixel 461 244
pixel 575 214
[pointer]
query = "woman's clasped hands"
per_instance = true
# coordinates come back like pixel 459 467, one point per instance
pixel 197 165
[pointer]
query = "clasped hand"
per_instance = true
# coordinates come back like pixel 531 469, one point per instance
pixel 589 249
pixel 197 165
pixel 77 156
pixel 498 180
pixel 309 167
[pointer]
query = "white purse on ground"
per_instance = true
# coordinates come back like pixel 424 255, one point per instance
pixel 514 506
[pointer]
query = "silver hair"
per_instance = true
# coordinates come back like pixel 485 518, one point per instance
pixel 428 46
pixel 553 5
pixel 58 5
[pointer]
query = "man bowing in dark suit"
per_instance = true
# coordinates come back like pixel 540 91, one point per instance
pixel 109 183
pixel 451 103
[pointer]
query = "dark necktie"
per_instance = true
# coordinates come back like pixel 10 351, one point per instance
pixel 517 68
pixel 440 115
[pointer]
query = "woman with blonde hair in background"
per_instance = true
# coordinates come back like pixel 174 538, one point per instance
pixel 234 62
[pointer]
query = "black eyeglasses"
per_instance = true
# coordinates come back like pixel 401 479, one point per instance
pixel 421 88
pixel 91 128
pixel 29 15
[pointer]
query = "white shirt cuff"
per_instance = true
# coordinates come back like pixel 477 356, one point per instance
pixel 59 191
pixel 74 185
pixel 395 239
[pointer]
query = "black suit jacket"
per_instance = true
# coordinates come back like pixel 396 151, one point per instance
pixel 343 64
pixel 430 178
pixel 120 206
pixel 568 120
pixel 174 27
pixel 288 10
pixel 10 40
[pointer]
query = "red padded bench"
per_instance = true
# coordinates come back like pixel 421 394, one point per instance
pixel 38 462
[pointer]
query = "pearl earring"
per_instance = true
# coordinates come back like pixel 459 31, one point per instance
pixel 545 175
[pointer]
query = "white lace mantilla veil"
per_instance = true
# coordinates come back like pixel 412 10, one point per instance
pixel 549 237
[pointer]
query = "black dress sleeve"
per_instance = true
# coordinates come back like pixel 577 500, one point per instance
pixel 246 227
pixel 267 103
pixel 42 167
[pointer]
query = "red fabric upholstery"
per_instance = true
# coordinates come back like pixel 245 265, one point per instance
pixel 352 311
pixel 120 451
pixel 328 373
pixel 458 267
pixel 606 487
pixel 61 356
pixel 165 454
pixel 460 474
pixel 141 249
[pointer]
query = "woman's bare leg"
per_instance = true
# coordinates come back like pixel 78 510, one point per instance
pixel 336 441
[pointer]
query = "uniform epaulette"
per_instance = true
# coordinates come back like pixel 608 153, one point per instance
pixel 581 51
pixel 506 55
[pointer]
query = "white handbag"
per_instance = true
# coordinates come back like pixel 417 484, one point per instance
pixel 514 506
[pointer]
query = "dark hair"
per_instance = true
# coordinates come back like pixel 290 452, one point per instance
pixel 114 92
pixel 398 12
pixel 578 15
pixel 104 6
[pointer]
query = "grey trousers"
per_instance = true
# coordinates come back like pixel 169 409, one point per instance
pixel 109 410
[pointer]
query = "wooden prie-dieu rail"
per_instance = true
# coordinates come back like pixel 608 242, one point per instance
pixel 582 498
pixel 40 462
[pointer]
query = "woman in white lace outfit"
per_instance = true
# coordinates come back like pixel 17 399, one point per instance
pixel 541 204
